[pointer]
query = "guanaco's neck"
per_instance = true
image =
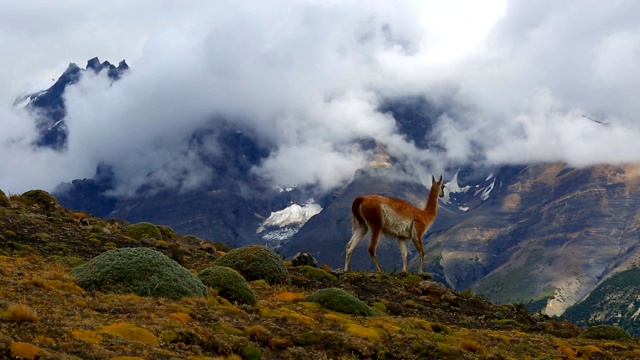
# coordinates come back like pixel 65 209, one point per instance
pixel 432 201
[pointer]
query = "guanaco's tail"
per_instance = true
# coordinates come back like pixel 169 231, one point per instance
pixel 355 210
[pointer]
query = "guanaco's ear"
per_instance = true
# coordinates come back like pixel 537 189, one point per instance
pixel 433 179
pixel 440 178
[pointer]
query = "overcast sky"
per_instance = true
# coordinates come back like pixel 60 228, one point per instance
pixel 518 78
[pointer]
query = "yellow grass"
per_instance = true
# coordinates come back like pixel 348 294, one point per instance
pixel 20 313
pixel 131 333
pixel 26 351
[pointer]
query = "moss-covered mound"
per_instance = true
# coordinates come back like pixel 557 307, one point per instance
pixel 166 233
pixel 340 301
pixel 229 283
pixel 4 201
pixel 39 197
pixel 317 273
pixel 143 230
pixel 142 271
pixel 605 332
pixel 256 262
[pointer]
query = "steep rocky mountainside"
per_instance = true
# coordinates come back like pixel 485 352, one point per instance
pixel 613 302
pixel 45 314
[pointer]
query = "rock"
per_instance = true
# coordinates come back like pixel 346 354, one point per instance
pixel 208 247
pixel 304 258
pixel 437 291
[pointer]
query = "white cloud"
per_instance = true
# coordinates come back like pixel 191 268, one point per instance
pixel 514 81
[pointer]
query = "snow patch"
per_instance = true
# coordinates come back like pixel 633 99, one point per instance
pixel 286 189
pixel 54 125
pixel 292 215
pixel 453 187
pixel 485 192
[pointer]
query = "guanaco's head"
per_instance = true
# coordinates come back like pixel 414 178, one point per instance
pixel 439 184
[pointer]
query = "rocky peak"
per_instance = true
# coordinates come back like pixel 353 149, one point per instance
pixel 49 103
pixel 112 71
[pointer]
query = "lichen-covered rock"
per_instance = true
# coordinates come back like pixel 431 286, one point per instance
pixel 340 301
pixel 142 230
pixel 142 271
pixel 304 258
pixel 256 262
pixel 229 283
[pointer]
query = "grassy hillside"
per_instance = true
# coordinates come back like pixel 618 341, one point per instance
pixel 614 302
pixel 45 314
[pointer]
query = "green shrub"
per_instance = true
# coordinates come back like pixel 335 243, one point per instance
pixel 166 232
pixel 109 246
pixel 340 301
pixel 605 332
pixel 142 230
pixel 142 271
pixel 256 262
pixel 251 352
pixel 71 261
pixel 317 273
pixel 4 200
pixel 39 197
pixel 21 247
pixel 229 283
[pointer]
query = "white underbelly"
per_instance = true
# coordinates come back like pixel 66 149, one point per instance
pixel 395 225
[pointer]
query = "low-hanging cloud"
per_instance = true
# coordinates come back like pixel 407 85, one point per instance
pixel 519 82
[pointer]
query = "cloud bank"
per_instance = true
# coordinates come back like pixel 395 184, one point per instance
pixel 517 82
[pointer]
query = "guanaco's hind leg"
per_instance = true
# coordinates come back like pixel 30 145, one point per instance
pixel 373 244
pixel 358 232
pixel 416 238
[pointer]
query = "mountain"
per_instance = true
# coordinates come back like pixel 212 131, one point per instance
pixel 544 235
pixel 49 104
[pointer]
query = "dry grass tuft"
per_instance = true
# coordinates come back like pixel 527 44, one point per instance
pixel 567 351
pixel 25 351
pixel 287 296
pixel 21 313
pixel 276 343
pixel 88 336
pixel 180 317
pixel 472 346
pixel 258 333
pixel 131 333
pixel 326 268
pixel 370 334
pixel 78 215
pixel 35 282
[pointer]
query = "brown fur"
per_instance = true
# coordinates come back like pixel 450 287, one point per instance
pixel 393 218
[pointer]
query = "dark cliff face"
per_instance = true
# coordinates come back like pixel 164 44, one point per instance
pixel 49 104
